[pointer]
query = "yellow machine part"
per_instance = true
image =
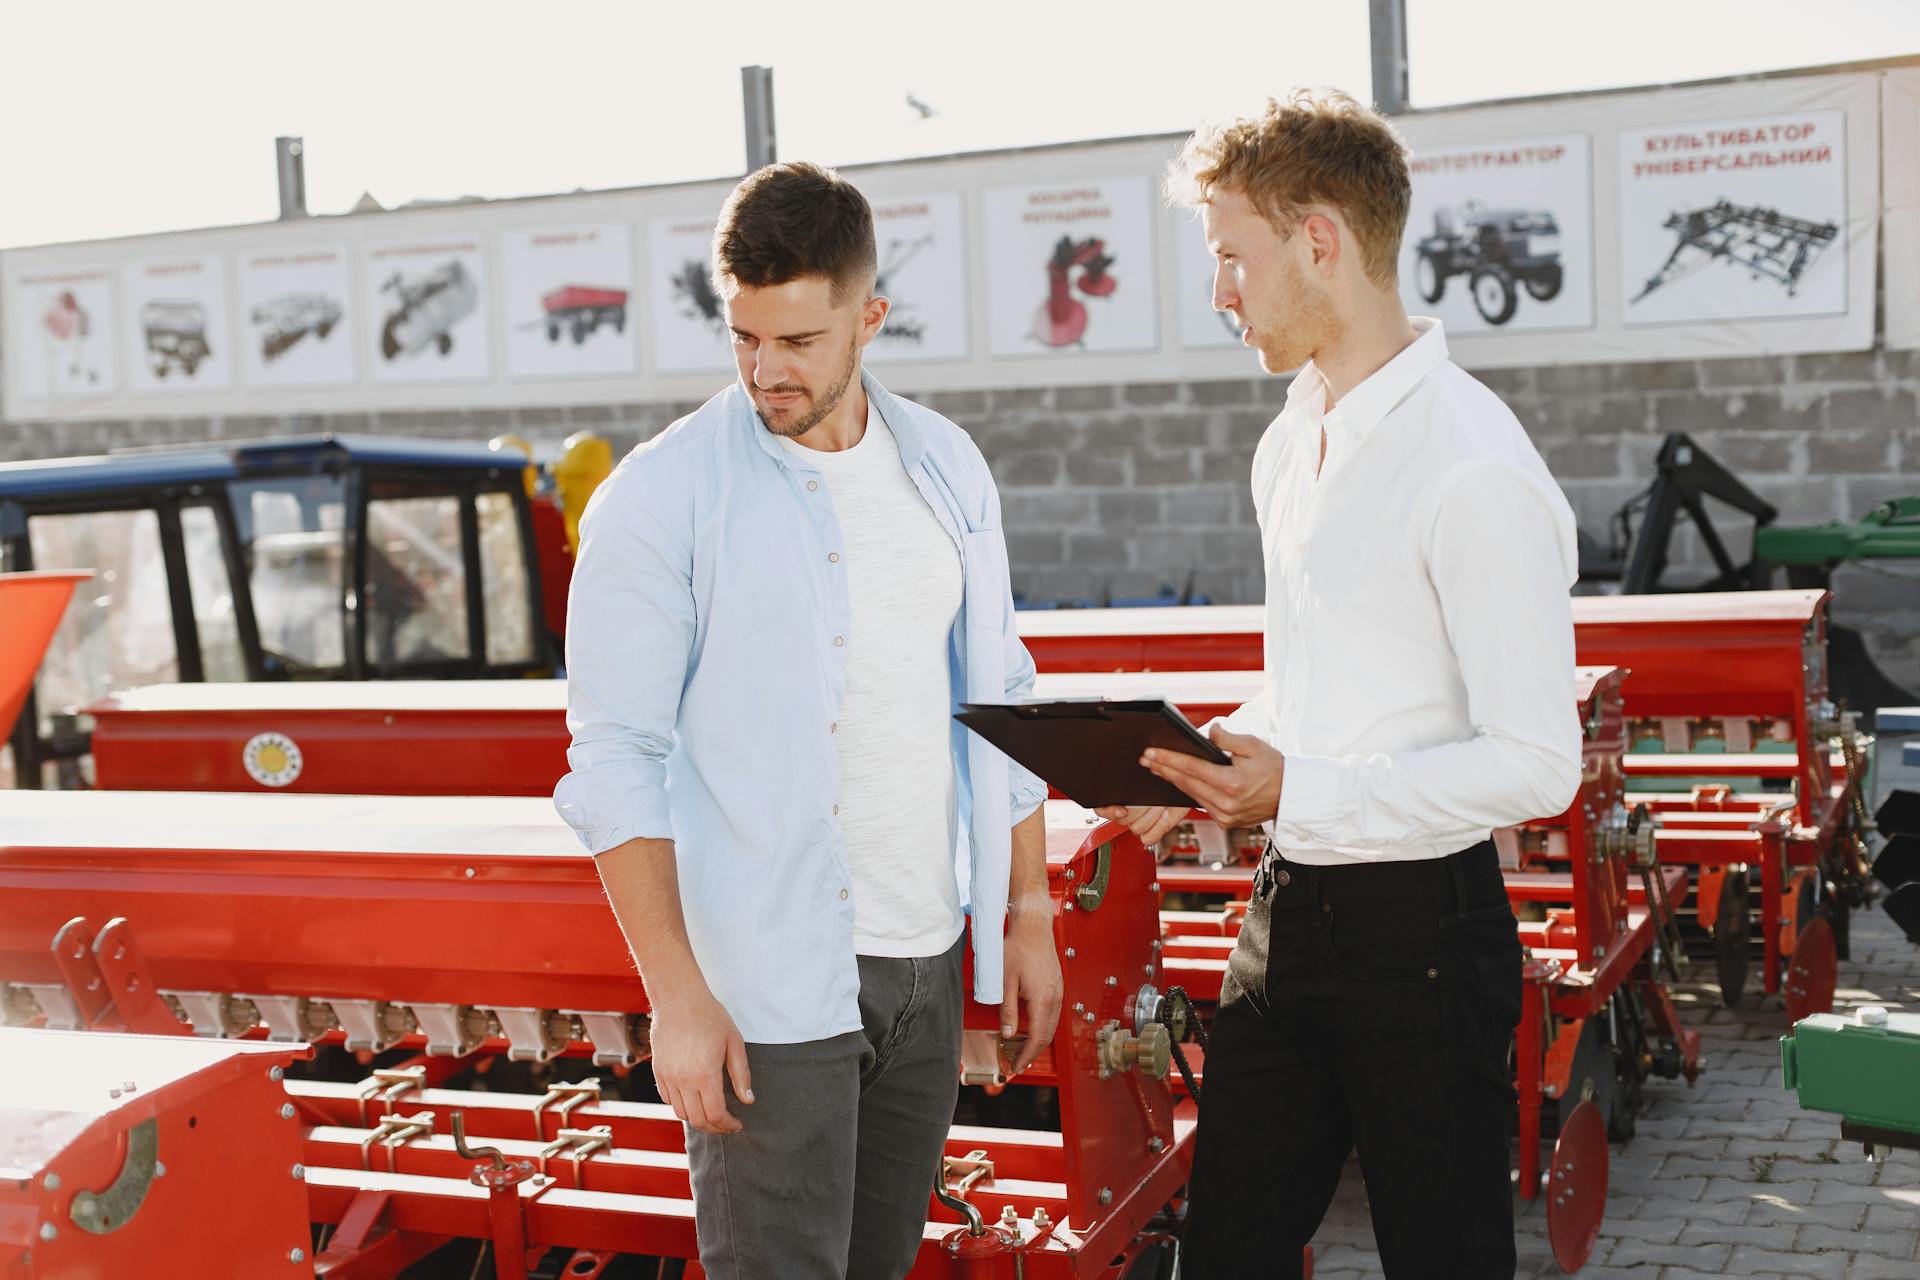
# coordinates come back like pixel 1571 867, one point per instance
pixel 530 474
pixel 585 460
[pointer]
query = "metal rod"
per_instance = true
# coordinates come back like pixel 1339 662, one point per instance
pixel 290 162
pixel 756 92
pixel 1389 27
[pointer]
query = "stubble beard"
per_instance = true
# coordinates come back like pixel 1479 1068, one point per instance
pixel 826 405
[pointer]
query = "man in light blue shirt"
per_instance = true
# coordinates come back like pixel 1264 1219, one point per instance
pixel 778 603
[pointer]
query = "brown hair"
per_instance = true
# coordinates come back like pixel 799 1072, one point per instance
pixel 791 220
pixel 1318 147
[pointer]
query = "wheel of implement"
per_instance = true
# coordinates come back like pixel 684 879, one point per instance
pixel 1629 1051
pixel 1810 976
pixel 1577 1188
pixel 1732 929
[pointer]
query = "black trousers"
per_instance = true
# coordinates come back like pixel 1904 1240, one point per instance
pixel 1372 1007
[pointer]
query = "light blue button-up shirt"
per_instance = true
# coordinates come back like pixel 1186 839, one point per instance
pixel 707 637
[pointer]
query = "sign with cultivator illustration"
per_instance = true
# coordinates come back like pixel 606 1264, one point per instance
pixel 1734 219
pixel 689 329
pixel 60 341
pixel 922 270
pixel 1071 267
pixel 296 327
pixel 176 312
pixel 566 296
pixel 1500 235
pixel 429 310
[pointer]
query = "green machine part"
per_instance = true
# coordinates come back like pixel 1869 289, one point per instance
pixel 1865 1068
pixel 1891 531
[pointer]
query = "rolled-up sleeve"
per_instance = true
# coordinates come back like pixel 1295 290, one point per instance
pixel 630 631
pixel 1028 792
pixel 1501 558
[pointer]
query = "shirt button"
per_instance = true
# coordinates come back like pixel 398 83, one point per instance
pixel 836 811
pixel 834 727
pixel 839 641
pixel 843 895
pixel 812 485
pixel 833 557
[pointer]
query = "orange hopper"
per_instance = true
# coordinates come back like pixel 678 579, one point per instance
pixel 31 606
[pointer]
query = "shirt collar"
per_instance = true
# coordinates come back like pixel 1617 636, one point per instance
pixel 907 435
pixel 1367 405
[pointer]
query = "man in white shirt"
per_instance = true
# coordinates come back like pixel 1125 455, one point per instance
pixel 779 601
pixel 1419 693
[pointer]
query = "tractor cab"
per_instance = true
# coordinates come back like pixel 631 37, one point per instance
pixel 310 558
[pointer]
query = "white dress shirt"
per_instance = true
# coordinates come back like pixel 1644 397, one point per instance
pixel 1419 636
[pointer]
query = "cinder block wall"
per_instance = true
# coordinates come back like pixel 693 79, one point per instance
pixel 1119 490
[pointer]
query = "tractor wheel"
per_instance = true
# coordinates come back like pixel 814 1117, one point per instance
pixel 324 329
pixel 1544 284
pixel 444 342
pixel 1732 929
pixel 580 331
pixel 390 337
pixel 1494 296
pixel 1428 278
pixel 553 332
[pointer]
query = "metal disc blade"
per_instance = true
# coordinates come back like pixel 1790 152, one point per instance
pixel 1810 977
pixel 1899 813
pixel 1577 1187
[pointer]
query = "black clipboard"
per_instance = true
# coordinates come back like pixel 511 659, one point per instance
pixel 1088 749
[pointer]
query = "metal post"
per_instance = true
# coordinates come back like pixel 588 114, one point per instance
pixel 1389 26
pixel 756 91
pixel 290 160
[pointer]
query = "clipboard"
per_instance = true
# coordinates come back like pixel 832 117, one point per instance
pixel 1088 749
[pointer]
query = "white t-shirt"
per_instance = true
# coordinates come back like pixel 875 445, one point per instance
pixel 894 733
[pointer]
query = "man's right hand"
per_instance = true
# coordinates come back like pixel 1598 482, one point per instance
pixel 1150 822
pixel 693 1042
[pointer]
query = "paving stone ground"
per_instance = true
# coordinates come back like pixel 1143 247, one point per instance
pixel 1728 1178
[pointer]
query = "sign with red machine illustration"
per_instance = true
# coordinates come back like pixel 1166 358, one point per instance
pixel 427 307
pixel 176 322
pixel 60 334
pixel 689 328
pixel 296 327
pixel 1734 219
pixel 922 271
pixel 1500 235
pixel 1070 267
pixel 567 292
pixel 1200 324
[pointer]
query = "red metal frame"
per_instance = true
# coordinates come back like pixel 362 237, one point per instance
pixel 368 917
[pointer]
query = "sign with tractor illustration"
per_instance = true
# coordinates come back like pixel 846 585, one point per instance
pixel 689 328
pixel 294 305
pixel 1734 219
pixel 428 302
pixel 177 311
pixel 60 341
pixel 566 293
pixel 1500 235
pixel 1070 267
pixel 922 271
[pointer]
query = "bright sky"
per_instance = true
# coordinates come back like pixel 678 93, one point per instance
pixel 119 117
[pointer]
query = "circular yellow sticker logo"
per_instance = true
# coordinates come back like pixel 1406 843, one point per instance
pixel 272 759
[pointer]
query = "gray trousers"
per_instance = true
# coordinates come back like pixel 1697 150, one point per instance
pixel 832 1173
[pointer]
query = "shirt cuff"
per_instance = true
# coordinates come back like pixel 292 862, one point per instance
pixel 1312 798
pixel 605 839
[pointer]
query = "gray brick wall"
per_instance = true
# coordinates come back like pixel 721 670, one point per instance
pixel 1121 490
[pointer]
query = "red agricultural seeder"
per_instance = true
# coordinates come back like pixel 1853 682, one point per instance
pixel 289 920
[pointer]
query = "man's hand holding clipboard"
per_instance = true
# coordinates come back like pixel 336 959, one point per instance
pixel 1244 792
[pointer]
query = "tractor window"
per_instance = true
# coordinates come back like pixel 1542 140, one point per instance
pixel 212 592
pixel 416 593
pixel 118 632
pixel 294 542
pixel 503 580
